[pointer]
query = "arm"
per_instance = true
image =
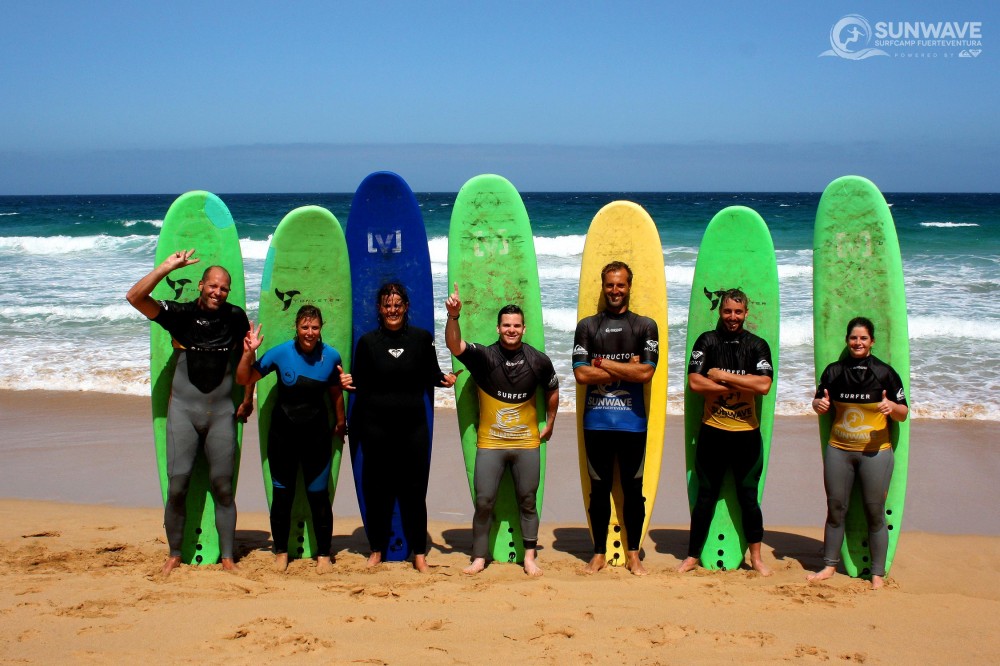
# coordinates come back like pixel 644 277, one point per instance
pixel 551 407
pixel 760 384
pixel 699 383
pixel 246 374
pixel 139 295
pixel 340 420
pixel 452 330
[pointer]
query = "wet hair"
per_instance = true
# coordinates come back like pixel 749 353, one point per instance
pixel 387 290
pixel 735 295
pixel 308 312
pixel 863 322
pixel 204 276
pixel 510 309
pixel 617 266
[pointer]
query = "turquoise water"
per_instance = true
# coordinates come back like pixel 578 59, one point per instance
pixel 66 263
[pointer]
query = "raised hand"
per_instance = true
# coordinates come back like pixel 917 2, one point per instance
pixel 346 380
pixel 822 405
pixel 179 259
pixel 253 339
pixel 454 303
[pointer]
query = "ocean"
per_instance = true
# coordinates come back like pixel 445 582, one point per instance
pixel 67 261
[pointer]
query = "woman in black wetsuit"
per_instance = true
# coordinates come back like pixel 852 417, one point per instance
pixel 861 394
pixel 394 368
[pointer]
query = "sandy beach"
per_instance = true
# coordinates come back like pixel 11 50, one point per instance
pixel 82 541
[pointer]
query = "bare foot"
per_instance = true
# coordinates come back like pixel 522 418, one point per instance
pixel 374 559
pixel 757 562
pixel 228 564
pixel 477 565
pixel 531 563
pixel 597 562
pixel 172 563
pixel 281 562
pixel 324 564
pixel 878 582
pixel 689 564
pixel 822 574
pixel 633 564
pixel 420 563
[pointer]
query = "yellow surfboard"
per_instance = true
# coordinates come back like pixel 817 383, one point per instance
pixel 624 231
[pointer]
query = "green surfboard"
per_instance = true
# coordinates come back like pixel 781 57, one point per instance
pixel 736 252
pixel 306 264
pixel 201 221
pixel 491 255
pixel 858 271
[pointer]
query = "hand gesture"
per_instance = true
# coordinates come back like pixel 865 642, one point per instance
pixel 244 411
pixel 450 378
pixel 822 405
pixel 179 259
pixel 253 339
pixel 346 380
pixel 453 304
pixel 886 406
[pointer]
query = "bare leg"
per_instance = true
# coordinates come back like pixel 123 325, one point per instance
pixel 757 562
pixel 281 562
pixel 228 564
pixel 878 582
pixel 324 564
pixel 531 563
pixel 689 564
pixel 477 565
pixel 420 563
pixel 597 562
pixel 172 563
pixel 822 574
pixel 374 559
pixel 633 564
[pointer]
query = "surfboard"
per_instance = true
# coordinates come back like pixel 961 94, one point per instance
pixel 491 255
pixel 197 220
pixel 306 264
pixel 736 252
pixel 858 271
pixel 624 231
pixel 386 241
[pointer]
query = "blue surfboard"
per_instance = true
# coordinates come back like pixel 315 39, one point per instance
pixel 387 241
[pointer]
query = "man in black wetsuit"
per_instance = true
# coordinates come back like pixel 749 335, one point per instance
pixel 508 374
pixel 208 337
pixel 730 367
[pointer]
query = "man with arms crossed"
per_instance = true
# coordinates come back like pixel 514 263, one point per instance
pixel 730 367
pixel 507 373
pixel 614 353
pixel 207 337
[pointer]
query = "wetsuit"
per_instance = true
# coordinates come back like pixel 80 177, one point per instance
pixel 730 432
pixel 859 446
pixel 201 412
pixel 394 373
pixel 300 435
pixel 508 433
pixel 614 419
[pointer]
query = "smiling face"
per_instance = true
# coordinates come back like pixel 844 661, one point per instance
pixel 213 289
pixel 392 311
pixel 307 333
pixel 859 342
pixel 616 290
pixel 511 330
pixel 732 314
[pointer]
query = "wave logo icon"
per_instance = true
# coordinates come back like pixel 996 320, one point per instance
pixel 607 391
pixel 508 423
pixel 850 37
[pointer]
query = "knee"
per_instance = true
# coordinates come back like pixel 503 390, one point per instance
pixel 876 517
pixel 485 503
pixel 177 489
pixel 222 490
pixel 835 512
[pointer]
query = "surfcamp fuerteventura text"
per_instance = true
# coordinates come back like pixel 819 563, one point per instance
pixel 854 38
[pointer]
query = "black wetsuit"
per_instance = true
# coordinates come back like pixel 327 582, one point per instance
pixel 201 413
pixel 394 372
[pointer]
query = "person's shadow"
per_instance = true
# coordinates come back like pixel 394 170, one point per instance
pixel 575 541
pixel 247 541
pixel 808 552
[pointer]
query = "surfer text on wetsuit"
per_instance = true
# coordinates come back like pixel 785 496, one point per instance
pixel 730 367
pixel 508 374
pixel 207 335
pixel 861 394
pixel 395 367
pixel 615 352
pixel 300 433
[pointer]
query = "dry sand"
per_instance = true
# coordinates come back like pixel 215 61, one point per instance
pixel 82 543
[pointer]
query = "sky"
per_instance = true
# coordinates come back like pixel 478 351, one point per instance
pixel 162 97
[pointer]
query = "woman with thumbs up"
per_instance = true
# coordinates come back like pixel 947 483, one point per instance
pixel 861 393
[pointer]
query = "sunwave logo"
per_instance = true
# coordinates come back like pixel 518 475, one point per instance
pixel 850 38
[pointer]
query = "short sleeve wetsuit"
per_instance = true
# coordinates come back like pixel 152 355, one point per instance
pixel 859 447
pixel 201 411
pixel 730 432
pixel 300 435
pixel 615 419
pixel 394 373
pixel 508 382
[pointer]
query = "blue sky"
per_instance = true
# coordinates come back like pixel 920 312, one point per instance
pixel 134 97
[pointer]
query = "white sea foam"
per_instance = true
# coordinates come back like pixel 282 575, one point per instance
pixel 6 214
pixel 57 245
pixel 947 225
pixel 559 246
pixel 254 249
pixel 131 223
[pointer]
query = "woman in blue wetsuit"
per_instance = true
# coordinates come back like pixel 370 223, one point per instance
pixel 300 433
pixel 861 394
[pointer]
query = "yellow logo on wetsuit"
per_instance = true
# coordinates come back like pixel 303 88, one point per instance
pixel 732 412
pixel 859 427
pixel 505 425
